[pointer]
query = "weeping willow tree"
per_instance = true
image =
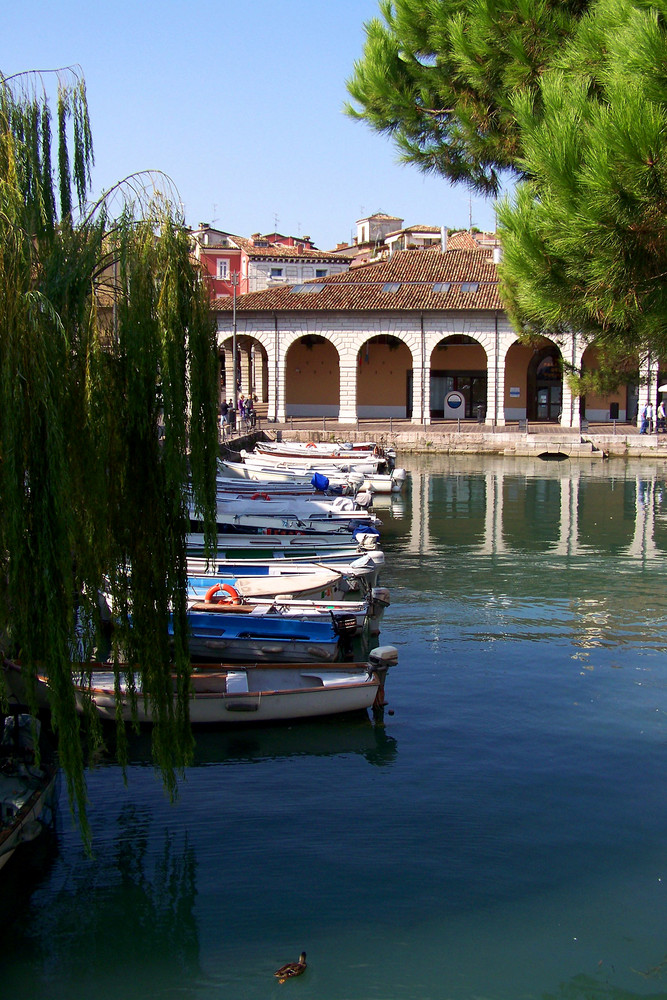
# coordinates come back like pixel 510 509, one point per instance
pixel 108 410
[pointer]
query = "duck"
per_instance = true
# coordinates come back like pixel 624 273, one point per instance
pixel 291 969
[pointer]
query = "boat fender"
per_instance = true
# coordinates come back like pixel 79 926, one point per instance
pixel 223 588
pixel 260 496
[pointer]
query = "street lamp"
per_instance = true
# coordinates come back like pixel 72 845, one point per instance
pixel 235 282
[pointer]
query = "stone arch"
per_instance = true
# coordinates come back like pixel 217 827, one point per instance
pixel 533 381
pixel 384 366
pixel 459 366
pixel 544 383
pixel 312 376
pixel 252 367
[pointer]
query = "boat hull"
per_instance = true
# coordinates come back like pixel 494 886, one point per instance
pixel 258 694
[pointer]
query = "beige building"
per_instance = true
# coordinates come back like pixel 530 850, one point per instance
pixel 421 335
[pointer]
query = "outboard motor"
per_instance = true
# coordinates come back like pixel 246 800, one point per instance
pixel 364 500
pixel 345 627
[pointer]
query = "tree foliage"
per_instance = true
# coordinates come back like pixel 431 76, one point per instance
pixel 571 99
pixel 105 336
pixel 585 238
pixel 439 76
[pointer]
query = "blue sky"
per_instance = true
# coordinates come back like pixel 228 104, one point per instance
pixel 240 103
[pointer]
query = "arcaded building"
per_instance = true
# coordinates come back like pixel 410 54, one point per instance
pixel 421 335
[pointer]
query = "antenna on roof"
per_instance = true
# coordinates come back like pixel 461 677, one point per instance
pixel 215 209
pixel 275 222
pixel 470 211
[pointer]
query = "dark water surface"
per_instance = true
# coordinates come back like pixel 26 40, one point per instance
pixel 503 835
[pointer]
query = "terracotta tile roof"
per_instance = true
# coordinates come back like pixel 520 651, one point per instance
pixel 362 289
pixel 462 241
pixel 276 251
pixel 414 229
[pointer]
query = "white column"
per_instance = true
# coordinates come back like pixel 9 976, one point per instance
pixel 648 384
pixel 573 352
pixel 495 384
pixel 347 412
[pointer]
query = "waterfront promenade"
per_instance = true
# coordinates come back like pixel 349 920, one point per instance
pixel 525 439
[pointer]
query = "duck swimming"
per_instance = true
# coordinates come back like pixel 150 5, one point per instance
pixel 291 969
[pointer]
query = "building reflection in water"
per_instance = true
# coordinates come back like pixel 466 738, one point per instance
pixel 560 509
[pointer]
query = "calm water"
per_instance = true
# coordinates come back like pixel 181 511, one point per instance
pixel 503 835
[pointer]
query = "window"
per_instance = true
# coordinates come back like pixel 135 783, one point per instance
pixel 222 269
pixel 321 272
pixel 470 286
pixel 305 289
pixel 442 286
pixel 276 272
pixel 391 286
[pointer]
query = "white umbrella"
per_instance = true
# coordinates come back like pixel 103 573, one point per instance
pixel 662 388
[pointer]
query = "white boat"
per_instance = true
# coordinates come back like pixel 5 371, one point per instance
pixel 319 447
pixel 320 585
pixel 303 465
pixel 224 694
pixel 269 479
pixel 236 546
pixel 27 792
pixel 361 571
pixel 229 521
pixel 301 507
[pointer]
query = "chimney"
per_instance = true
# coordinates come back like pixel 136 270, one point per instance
pixel 497 254
pixel 443 239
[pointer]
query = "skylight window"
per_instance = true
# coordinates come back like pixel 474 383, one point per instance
pixel 391 286
pixel 442 286
pixel 470 286
pixel 305 289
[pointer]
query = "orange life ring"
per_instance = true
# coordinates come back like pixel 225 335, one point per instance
pixel 260 496
pixel 223 588
pixel 311 444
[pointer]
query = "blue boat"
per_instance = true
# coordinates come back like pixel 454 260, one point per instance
pixel 250 638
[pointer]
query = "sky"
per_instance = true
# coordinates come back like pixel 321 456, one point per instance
pixel 241 104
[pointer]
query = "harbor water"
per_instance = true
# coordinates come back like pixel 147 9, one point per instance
pixel 501 834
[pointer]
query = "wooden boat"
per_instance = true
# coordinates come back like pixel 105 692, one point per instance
pixel 225 694
pixel 27 792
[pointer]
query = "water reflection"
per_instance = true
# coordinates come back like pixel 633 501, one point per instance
pixel 131 908
pixel 564 509
pixel 328 737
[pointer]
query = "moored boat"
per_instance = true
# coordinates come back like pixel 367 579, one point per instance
pixel 222 694
pixel 27 791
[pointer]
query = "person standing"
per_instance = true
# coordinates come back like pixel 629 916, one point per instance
pixel 223 416
pixel 649 416
pixel 660 418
